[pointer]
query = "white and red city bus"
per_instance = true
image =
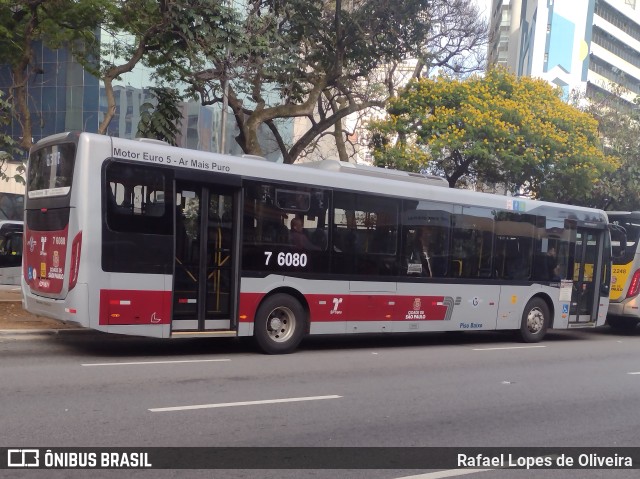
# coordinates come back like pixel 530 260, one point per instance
pixel 138 237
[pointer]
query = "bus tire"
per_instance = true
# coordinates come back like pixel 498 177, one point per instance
pixel 621 324
pixel 535 321
pixel 280 324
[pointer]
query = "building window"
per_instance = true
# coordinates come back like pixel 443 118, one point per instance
pixel 618 20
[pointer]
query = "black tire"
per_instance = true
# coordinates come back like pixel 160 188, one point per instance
pixel 280 324
pixel 535 321
pixel 622 324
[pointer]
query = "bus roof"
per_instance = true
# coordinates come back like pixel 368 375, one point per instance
pixel 329 173
pixel 620 214
pixel 339 175
pixel 366 170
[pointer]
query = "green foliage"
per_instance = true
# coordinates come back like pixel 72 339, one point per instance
pixel 494 130
pixel 282 59
pixel 53 23
pixel 9 149
pixel 304 58
pixel 165 36
pixel 162 121
pixel 619 129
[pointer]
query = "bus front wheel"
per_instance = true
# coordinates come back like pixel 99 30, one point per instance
pixel 279 324
pixel 535 321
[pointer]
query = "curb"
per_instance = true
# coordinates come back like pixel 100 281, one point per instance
pixel 11 332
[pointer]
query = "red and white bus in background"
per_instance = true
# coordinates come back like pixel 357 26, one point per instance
pixel 138 237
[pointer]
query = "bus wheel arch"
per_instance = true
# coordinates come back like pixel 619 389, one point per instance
pixel 622 324
pixel 281 321
pixel 537 318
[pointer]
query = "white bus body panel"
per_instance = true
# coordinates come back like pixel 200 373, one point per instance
pixel 473 306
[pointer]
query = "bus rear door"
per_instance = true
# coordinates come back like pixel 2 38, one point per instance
pixel 205 267
pixel 590 275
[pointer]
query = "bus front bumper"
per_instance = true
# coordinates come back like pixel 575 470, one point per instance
pixel 629 307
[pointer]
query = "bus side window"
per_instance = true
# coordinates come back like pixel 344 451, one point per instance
pixel 135 199
pixel 14 247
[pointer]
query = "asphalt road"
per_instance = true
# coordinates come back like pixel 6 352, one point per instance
pixel 79 389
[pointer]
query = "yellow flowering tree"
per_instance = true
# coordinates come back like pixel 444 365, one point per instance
pixel 493 130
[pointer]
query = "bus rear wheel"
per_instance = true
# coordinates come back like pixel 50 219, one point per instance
pixel 280 324
pixel 621 324
pixel 535 321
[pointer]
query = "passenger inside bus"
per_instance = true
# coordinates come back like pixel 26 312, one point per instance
pixel 553 268
pixel 298 236
pixel 419 254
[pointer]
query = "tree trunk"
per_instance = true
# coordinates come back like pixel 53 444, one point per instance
pixel 22 106
pixel 115 71
pixel 340 143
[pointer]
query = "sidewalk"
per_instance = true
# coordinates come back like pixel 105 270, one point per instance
pixel 15 320
pixel 10 293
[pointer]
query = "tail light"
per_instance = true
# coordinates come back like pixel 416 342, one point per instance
pixel 634 287
pixel 76 246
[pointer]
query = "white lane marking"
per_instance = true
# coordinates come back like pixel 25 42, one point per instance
pixel 634 373
pixel 447 473
pixel 243 403
pixel 510 347
pixel 158 362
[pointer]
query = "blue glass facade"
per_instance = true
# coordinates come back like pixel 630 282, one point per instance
pixel 61 95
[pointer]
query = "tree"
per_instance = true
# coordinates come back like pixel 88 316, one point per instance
pixel 162 120
pixel 55 23
pixel 456 41
pixel 278 60
pixel 619 129
pixel 8 146
pixel 314 60
pixel 143 31
pixel 496 129
pixel 160 34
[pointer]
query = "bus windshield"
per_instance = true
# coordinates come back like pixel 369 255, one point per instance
pixel 623 254
pixel 51 170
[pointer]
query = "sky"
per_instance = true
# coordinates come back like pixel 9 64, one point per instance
pixel 485 6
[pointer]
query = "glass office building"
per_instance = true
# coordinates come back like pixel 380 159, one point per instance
pixel 582 45
pixel 63 97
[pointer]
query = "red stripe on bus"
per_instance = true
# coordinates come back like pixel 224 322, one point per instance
pixel 154 307
pixel 360 307
pixel 139 307
pixel 44 259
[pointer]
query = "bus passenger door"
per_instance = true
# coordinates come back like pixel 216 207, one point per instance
pixel 587 276
pixel 203 285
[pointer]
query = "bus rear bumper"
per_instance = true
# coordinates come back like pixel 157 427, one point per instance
pixel 629 308
pixel 73 309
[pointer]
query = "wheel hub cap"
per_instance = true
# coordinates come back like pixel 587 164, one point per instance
pixel 275 324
